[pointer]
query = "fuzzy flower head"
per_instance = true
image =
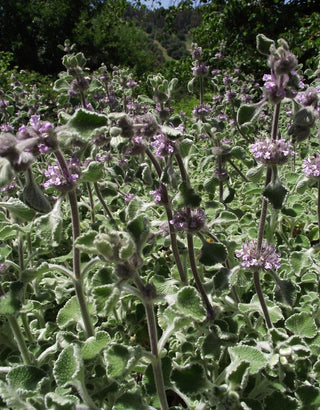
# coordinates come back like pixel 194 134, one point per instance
pixel 191 221
pixel 160 195
pixel 201 111
pixel 162 145
pixel 271 152
pixel 311 166
pixel 266 259
pixel 63 180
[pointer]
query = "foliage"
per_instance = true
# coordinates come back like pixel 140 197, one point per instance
pixel 151 259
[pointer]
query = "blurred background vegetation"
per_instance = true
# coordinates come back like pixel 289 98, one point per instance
pixel 123 33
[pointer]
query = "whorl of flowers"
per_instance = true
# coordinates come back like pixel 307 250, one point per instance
pixel 269 151
pixel 192 220
pixel 311 166
pixel 162 145
pixel 201 111
pixel 63 180
pixel 266 259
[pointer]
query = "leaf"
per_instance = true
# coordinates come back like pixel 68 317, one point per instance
pixel 148 378
pixel 255 174
pixel 248 112
pixel 190 197
pixel 93 173
pixel 93 346
pixel 263 44
pixel 49 226
pixel 279 401
pixel 286 291
pixel 105 297
pixel 9 304
pixel 60 400
pixel 68 367
pixel 189 303
pixel 226 217
pixel 254 306
pixel 139 230
pixel 26 379
pixel 70 313
pixel 117 357
pixel 253 356
pixel 302 324
pixel 85 242
pixel 276 193
pixel 185 147
pixel 212 253
pixel 35 198
pixel 190 379
pixel 18 209
pixel 130 401
pixel 84 123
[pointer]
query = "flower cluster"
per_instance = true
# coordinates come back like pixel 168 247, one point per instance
pixel 201 111
pixel 160 195
pixel 311 166
pixel 162 145
pixel 62 180
pixel 192 220
pixel 269 151
pixel 267 258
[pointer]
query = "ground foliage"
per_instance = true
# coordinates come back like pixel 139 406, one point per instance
pixel 156 259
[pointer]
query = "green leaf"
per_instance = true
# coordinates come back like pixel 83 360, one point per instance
pixel 148 378
pixel 309 395
pixel 252 355
pixel 263 44
pixel 50 225
pixel 105 298
pixel 210 185
pixel 185 146
pixel 93 346
pixel 139 230
pixel 189 303
pixel 18 209
pixel 60 400
pixel 212 253
pixel 68 367
pixel 130 401
pixel 255 306
pixel 248 112
pixel 276 193
pixel 26 379
pixel 279 401
pixel 286 291
pixel 302 324
pixel 35 198
pixel 93 173
pixel 70 313
pixel 226 217
pixel 190 379
pixel 84 123
pixel 9 304
pixel 85 242
pixel 255 174
pixel 8 232
pixel 117 360
pixel 190 197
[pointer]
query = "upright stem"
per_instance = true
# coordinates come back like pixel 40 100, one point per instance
pixel 261 299
pixel 91 202
pixel 173 238
pixel 18 336
pixel 209 308
pixel 103 202
pixel 88 326
pixel 153 337
pixel 201 90
pixel 275 121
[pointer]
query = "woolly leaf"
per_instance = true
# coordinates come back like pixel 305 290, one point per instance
pixel 189 303
pixel 263 44
pixel 35 198
pixel 276 193
pixel 255 174
pixel 60 399
pixel 226 217
pixel 85 242
pixel 139 230
pixel 148 378
pixel 68 367
pixel 190 197
pixel 130 401
pixel 185 146
pixel 105 297
pixel 212 253
pixel 277 400
pixel 93 346
pixel 249 354
pixel 247 113
pixel 70 313
pixel 18 209
pixel 93 172
pixel 84 123
pixel 26 379
pixel 190 379
pixel 117 359
pixel 302 324
pixel 286 292
pixel 9 304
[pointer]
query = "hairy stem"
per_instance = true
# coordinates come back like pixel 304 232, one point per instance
pixel 261 299
pixel 18 336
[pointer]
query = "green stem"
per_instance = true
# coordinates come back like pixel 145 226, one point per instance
pixel 103 203
pixel 91 202
pixel 261 299
pixel 153 337
pixel 88 326
pixel 18 336
pixel 209 308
